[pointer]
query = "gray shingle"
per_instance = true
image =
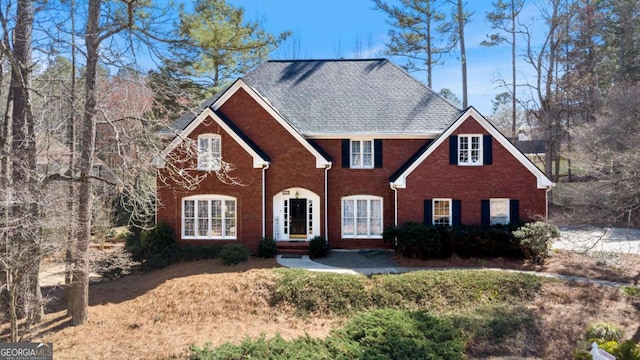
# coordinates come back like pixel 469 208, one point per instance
pixel 325 97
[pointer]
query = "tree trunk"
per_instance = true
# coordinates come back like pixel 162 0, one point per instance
pixel 80 287
pixel 463 53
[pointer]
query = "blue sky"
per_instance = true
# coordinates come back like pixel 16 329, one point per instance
pixel 327 29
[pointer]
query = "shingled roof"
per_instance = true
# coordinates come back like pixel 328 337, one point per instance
pixel 337 97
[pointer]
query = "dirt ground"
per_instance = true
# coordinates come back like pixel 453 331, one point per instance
pixel 159 314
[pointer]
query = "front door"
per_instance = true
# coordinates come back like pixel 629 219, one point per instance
pixel 298 218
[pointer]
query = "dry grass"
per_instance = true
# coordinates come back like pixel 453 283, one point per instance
pixel 160 314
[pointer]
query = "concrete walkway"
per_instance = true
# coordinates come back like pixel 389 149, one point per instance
pixel 592 239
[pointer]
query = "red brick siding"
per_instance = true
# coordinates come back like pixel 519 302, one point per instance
pixel 345 182
pixel 291 164
pixel 248 195
pixel 436 178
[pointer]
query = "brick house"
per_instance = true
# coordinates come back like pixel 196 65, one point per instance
pixel 339 149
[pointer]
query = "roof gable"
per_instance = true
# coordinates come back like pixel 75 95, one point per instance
pixel 398 180
pixel 260 159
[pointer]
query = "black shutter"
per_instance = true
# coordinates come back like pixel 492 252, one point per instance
pixel 428 213
pixel 487 150
pixel 486 212
pixel 346 151
pixel 456 212
pixel 453 150
pixel 514 211
pixel 377 152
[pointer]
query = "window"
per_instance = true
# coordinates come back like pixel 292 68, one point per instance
pixel 469 150
pixel 362 217
pixel 362 154
pixel 441 211
pixel 209 154
pixel 209 217
pixel 499 211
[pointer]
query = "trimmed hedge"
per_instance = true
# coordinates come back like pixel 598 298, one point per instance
pixel 417 240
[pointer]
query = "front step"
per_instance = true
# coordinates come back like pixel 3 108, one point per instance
pixel 293 247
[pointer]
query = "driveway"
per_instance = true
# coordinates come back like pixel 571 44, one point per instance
pixel 589 239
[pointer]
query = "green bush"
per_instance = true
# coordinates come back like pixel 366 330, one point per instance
pixel 381 334
pixel 535 240
pixel 416 240
pixel 318 247
pixel 604 332
pixel 267 248
pixel 393 334
pixel 191 252
pixel 233 254
pixel 133 244
pixel 159 247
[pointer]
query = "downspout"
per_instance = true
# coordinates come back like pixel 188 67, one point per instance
pixel 395 211
pixel 395 204
pixel 546 198
pixel 326 206
pixel 264 199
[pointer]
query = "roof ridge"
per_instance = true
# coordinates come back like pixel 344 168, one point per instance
pixel 327 60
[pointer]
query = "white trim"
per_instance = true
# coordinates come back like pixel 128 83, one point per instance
pixel 469 162
pixel 329 136
pixel 361 142
pixel 211 163
pixel 543 182
pixel 258 161
pixel 433 210
pixel 280 224
pixel 208 198
pixel 321 162
pixel 507 209
pixel 355 199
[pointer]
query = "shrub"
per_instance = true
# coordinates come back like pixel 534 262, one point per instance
pixel 393 334
pixel 603 332
pixel 191 253
pixel 318 247
pixel 133 244
pixel 535 240
pixel 233 254
pixel 416 240
pixel 267 248
pixel 159 247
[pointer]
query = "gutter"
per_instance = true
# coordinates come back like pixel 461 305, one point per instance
pixel 326 206
pixel 264 199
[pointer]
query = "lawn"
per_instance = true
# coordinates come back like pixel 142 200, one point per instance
pixel 162 313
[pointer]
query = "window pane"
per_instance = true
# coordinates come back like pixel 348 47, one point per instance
pixel 463 149
pixel 499 211
pixel 347 217
pixel 216 217
pixel 189 227
pixel 189 209
pixel 367 153
pixel 230 218
pixel 475 149
pixel 376 217
pixel 355 154
pixel 361 220
pixel 441 212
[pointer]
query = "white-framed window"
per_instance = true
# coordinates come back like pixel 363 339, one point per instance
pixel 442 212
pixel 209 152
pixel 499 211
pixel 361 154
pixel 209 217
pixel 362 216
pixel 469 149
